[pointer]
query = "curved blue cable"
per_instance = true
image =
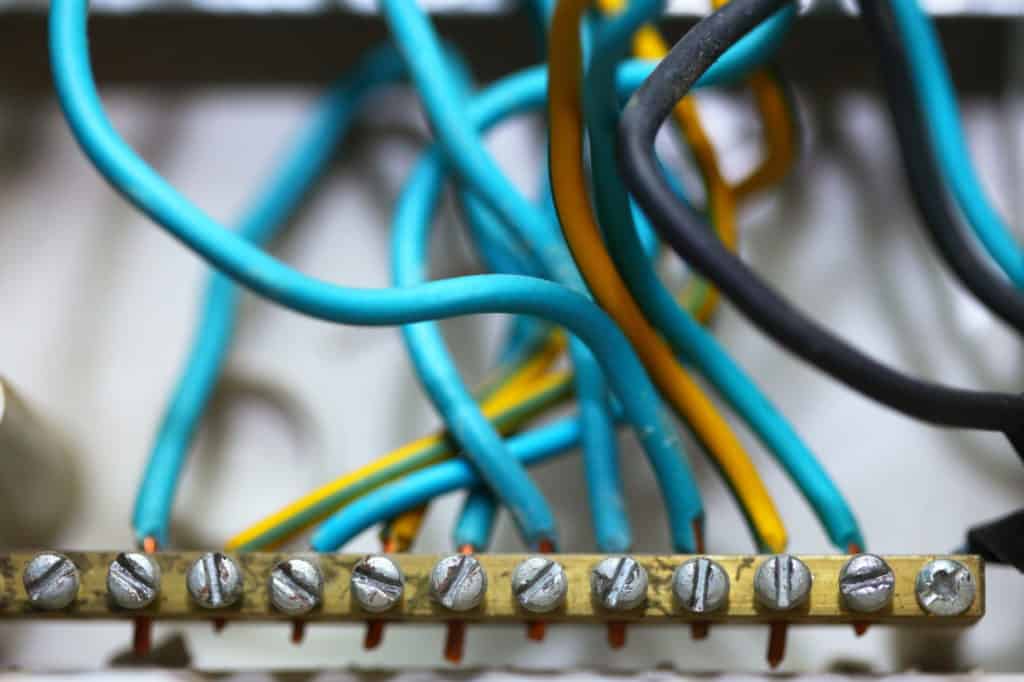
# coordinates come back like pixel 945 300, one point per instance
pixel 445 102
pixel 686 336
pixel 530 447
pixel 934 91
pixel 305 163
pixel 272 279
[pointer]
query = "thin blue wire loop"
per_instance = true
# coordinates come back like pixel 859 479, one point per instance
pixel 445 99
pixel 933 88
pixel 271 210
pixel 270 278
pixel 686 336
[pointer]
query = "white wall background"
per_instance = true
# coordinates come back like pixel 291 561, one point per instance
pixel 97 308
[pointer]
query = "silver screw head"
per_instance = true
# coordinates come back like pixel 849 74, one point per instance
pixel 51 581
pixel 540 584
pixel 866 583
pixel 133 580
pixel 458 582
pixel 782 582
pixel 619 583
pixel 945 587
pixel 214 581
pixel 377 583
pixel 701 585
pixel 296 586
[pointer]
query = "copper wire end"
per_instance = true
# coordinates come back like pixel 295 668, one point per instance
pixel 142 637
pixel 454 641
pixel 616 635
pixel 699 631
pixel 374 634
pixel 219 624
pixel 537 629
pixel 698 536
pixel 859 629
pixel 777 644
pixel 298 631
pixel 142 634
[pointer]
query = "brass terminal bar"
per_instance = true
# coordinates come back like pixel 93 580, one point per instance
pixel 824 605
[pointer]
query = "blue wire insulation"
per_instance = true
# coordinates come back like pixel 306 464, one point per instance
pixel 267 276
pixel 475 524
pixel 688 337
pixel 282 195
pixel 275 281
pixel 386 502
pixel 934 91
pixel 445 102
pixel 412 226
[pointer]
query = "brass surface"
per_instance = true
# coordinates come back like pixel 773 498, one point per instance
pixel 823 607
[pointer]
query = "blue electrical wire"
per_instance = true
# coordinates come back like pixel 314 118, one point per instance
pixel 282 195
pixel 272 279
pixel 686 336
pixel 475 524
pixel 386 502
pixel 445 101
pixel 934 91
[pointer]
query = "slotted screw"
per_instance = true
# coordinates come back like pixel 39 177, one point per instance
pixel 51 581
pixel 214 581
pixel 782 582
pixel 133 580
pixel 458 582
pixel 296 586
pixel 539 584
pixel 619 583
pixel 866 583
pixel 377 583
pixel 945 587
pixel 701 585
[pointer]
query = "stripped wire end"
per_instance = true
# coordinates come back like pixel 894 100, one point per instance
pixel 777 644
pixel 142 635
pixel 859 629
pixel 616 635
pixel 298 631
pixel 455 638
pixel 375 628
pixel 536 630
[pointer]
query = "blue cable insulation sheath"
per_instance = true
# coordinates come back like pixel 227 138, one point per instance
pixel 934 91
pixel 686 336
pixel 445 102
pixel 418 487
pixel 310 155
pixel 273 280
pixel 477 516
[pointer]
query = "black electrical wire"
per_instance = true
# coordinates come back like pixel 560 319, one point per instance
pixel 691 238
pixel 996 292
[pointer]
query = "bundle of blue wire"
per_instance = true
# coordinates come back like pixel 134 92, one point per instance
pixel 512 235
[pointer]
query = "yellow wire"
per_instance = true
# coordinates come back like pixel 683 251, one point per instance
pixel 551 381
pixel 569 184
pixel 779 136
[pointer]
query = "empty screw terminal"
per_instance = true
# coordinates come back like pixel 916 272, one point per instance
pixel 945 587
